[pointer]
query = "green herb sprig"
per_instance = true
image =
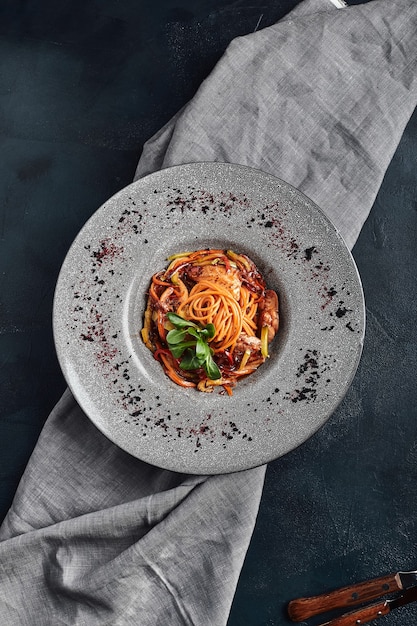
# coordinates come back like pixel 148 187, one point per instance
pixel 191 341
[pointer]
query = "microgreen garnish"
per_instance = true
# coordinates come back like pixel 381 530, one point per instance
pixel 190 341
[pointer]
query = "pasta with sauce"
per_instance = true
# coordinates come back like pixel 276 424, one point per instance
pixel 213 297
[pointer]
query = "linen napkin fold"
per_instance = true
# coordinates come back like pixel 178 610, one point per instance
pixel 97 537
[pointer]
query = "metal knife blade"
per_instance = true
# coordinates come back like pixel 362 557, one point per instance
pixel 410 595
pixel 406 579
pixel 351 595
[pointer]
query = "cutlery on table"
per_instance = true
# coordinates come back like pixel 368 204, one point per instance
pixel 352 595
pixel 373 611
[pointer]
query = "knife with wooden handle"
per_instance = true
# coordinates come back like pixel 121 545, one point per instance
pixel 351 595
pixel 368 613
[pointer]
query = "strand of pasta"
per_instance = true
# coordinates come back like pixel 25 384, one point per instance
pixel 249 304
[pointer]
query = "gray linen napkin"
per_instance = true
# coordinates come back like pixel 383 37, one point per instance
pixel 96 537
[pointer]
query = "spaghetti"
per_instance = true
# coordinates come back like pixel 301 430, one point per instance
pixel 209 318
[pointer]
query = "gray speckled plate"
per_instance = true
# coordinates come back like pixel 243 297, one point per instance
pixel 101 294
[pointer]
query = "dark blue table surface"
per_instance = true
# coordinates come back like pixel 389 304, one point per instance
pixel 83 85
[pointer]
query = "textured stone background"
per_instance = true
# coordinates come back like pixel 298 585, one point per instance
pixel 83 85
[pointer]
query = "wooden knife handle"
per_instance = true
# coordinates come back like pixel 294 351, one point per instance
pixel 303 608
pixel 361 616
